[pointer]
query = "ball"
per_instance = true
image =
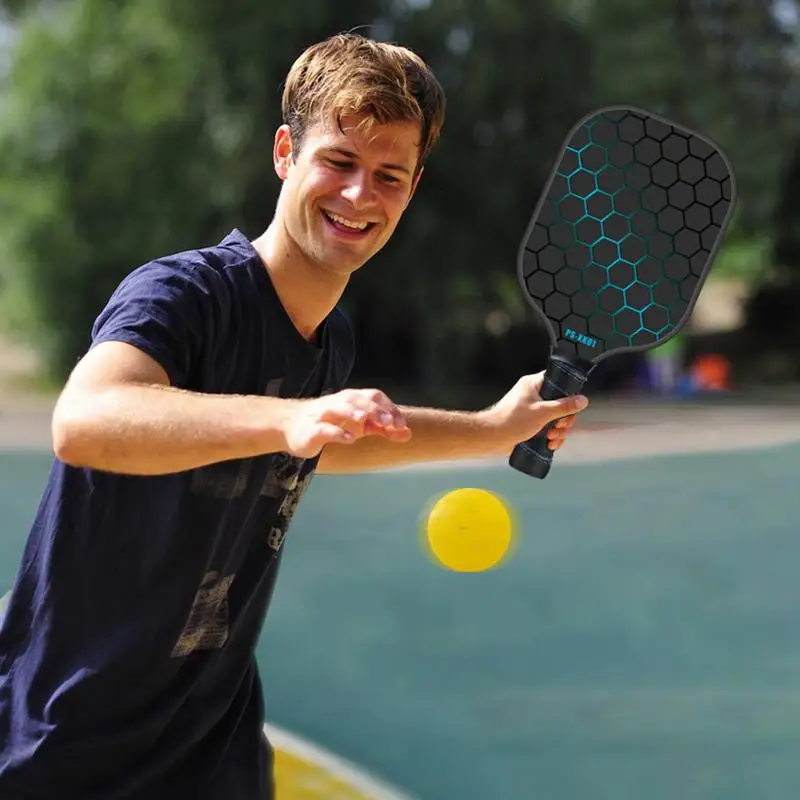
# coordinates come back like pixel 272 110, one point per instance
pixel 469 530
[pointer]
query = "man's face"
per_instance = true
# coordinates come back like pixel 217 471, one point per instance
pixel 345 190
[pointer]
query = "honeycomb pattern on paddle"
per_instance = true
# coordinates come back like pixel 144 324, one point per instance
pixel 626 230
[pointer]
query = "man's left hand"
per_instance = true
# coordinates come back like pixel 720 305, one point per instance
pixel 521 413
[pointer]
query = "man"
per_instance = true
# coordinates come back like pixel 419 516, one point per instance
pixel 213 390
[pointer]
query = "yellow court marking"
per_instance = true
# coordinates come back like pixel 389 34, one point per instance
pixel 305 771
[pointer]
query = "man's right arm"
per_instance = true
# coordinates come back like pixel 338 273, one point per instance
pixel 118 413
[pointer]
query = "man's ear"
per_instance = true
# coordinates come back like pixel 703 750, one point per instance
pixel 414 185
pixel 282 151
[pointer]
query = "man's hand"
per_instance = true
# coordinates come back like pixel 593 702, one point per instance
pixel 343 417
pixel 521 413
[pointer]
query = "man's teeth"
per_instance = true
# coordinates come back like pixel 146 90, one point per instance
pixel 359 226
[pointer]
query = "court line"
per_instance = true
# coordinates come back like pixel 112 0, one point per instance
pixel 314 754
pixel 337 766
pixel 626 445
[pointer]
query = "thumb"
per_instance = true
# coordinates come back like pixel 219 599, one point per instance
pixel 563 406
pixel 327 433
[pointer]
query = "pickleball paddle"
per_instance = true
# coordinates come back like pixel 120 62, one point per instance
pixel 619 246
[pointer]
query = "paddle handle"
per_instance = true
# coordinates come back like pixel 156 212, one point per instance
pixel 562 378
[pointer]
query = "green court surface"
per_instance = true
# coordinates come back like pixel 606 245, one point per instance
pixel 643 641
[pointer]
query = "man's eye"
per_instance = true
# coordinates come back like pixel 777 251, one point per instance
pixel 389 178
pixel 339 164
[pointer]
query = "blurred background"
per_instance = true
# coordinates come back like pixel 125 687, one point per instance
pixel 642 639
pixel 134 129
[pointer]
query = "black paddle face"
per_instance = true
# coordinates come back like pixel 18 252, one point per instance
pixel 619 246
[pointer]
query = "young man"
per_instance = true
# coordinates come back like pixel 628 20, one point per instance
pixel 213 390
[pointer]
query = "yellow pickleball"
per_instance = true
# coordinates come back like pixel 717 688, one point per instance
pixel 469 530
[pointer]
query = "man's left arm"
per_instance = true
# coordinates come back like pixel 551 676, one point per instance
pixel 427 434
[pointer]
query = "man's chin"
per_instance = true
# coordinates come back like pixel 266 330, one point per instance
pixel 334 264
pixel 341 260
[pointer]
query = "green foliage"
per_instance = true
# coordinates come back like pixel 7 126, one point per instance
pixel 503 69
pixel 129 133
pixel 722 69
pixel 748 260
pixel 89 158
pixel 134 129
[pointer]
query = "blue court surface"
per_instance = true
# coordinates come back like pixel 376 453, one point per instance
pixel 642 642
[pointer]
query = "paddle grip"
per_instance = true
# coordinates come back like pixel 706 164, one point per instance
pixel 561 379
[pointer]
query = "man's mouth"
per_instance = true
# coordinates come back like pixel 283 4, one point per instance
pixel 345 226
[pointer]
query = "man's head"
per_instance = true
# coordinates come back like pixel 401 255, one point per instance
pixel 360 119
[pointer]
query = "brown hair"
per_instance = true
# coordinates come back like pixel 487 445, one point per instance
pixel 350 74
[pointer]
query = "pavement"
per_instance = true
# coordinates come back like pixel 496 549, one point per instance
pixel 613 427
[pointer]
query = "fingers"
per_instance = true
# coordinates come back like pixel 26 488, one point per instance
pixel 327 432
pixel 533 383
pixel 564 406
pixel 532 387
pixel 366 412
pixel 395 431
pixel 557 434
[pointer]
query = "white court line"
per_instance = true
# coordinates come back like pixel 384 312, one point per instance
pixel 629 444
pixel 336 766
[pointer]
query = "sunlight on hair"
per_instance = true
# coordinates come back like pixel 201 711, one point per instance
pixel 349 74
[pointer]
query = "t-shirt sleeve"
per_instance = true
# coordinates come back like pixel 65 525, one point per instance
pixel 161 308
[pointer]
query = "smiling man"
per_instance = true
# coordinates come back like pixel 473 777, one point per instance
pixel 213 390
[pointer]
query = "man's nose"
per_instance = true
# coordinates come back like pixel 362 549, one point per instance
pixel 359 191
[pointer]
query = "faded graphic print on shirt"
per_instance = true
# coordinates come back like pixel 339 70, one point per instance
pixel 207 626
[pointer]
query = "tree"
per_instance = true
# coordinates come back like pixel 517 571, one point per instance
pixel 133 130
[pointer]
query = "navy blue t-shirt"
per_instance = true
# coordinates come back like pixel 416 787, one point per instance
pixel 127 665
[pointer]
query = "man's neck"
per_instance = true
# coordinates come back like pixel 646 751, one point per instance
pixel 307 292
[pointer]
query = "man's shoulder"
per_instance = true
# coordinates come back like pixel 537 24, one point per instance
pixel 232 251
pixel 199 264
pixel 213 277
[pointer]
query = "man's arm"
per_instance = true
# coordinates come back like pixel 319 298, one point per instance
pixel 118 413
pixel 438 435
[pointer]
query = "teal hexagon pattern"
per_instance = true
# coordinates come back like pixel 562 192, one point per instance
pixel 626 230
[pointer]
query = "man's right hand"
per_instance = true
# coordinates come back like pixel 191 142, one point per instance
pixel 118 413
pixel 343 417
